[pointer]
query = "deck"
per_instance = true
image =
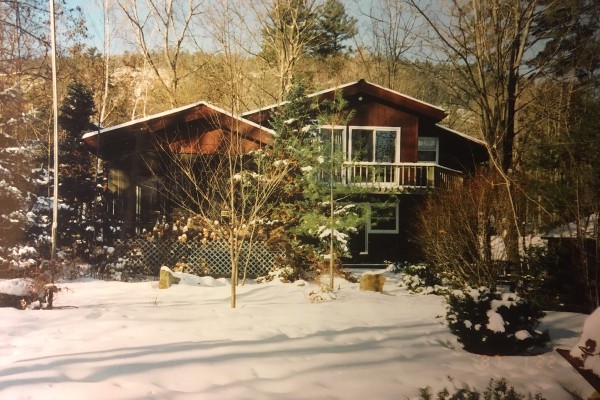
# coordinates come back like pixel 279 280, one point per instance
pixel 398 177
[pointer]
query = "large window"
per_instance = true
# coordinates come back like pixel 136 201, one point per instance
pixel 381 145
pixel 428 149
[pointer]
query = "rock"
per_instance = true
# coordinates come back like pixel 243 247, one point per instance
pixel 10 300
pixel 166 278
pixel 372 282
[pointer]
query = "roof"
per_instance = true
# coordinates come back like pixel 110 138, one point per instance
pixel 363 87
pixel 463 135
pixel 201 111
pixel 588 225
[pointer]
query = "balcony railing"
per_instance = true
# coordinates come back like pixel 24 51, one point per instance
pixel 398 177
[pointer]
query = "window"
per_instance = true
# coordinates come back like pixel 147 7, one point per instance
pixel 381 145
pixel 383 218
pixel 326 133
pixel 428 149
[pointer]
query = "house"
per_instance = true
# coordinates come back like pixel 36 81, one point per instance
pixel 132 155
pixel 394 149
pixel 576 251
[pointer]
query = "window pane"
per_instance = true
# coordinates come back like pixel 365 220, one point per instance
pixel 427 149
pixel 383 217
pixel 385 150
pixel 427 143
pixel 362 145
pixel 426 156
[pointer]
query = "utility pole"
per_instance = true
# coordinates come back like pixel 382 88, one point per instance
pixel 55 139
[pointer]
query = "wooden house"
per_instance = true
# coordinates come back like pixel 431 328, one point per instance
pixel 394 149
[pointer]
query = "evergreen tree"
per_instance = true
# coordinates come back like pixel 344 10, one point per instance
pixel 313 214
pixel 17 181
pixel 335 27
pixel 569 30
pixel 76 170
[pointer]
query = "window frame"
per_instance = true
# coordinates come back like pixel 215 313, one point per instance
pixel 437 149
pixel 394 231
pixel 374 130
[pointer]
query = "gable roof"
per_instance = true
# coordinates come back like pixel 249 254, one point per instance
pixel 461 135
pixel 212 116
pixel 422 108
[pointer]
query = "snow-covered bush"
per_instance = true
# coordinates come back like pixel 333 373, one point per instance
pixel 279 274
pixel 420 278
pixel 494 323
pixel 496 390
pixel 588 347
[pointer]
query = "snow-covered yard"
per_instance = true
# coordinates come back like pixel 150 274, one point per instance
pixel 134 341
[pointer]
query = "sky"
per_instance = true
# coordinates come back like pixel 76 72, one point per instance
pixel 93 14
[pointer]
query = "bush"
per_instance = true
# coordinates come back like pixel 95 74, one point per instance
pixel 494 323
pixel 496 390
pixel 421 278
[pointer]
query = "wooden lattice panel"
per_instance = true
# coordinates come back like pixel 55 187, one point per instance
pixel 145 257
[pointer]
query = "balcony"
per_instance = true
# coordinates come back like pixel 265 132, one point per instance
pixel 399 177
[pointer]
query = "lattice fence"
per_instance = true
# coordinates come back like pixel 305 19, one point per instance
pixel 143 257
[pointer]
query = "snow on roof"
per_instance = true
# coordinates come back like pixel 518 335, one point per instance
pixel 175 111
pixel 587 224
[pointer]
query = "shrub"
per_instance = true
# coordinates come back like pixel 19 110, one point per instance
pixel 494 323
pixel 496 390
pixel 421 278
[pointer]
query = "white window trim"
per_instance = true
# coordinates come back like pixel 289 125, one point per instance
pixel 373 138
pixel 383 231
pixel 437 148
pixel 344 133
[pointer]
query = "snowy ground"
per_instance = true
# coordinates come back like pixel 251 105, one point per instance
pixel 134 341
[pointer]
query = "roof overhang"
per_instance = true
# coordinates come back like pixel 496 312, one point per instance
pixel 356 88
pixel 103 141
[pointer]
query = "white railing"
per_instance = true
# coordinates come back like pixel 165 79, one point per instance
pixel 394 177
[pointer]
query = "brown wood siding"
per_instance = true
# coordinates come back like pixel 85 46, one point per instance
pixel 372 112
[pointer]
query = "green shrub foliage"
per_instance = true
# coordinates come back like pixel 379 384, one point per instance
pixel 494 323
pixel 421 278
pixel 496 390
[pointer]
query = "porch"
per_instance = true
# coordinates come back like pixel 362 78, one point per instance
pixel 398 177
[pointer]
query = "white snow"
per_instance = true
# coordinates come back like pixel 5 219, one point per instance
pixel 115 340
pixel 590 342
pixel 16 287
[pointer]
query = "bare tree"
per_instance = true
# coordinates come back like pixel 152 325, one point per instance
pixel 228 182
pixel 454 231
pixel 289 28
pixel 173 21
pixel 485 43
pixel 391 37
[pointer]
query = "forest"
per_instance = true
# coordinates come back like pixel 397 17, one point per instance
pixel 522 75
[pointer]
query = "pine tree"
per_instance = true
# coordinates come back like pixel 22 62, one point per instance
pixel 313 214
pixel 76 170
pixel 335 27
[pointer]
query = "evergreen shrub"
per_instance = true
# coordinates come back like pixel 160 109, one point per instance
pixel 496 390
pixel 421 278
pixel 494 323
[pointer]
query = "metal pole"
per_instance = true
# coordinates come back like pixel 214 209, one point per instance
pixel 55 139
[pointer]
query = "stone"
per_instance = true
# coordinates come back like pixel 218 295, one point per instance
pixel 372 282
pixel 166 278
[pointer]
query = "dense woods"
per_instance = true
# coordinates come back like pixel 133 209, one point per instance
pixel 519 74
